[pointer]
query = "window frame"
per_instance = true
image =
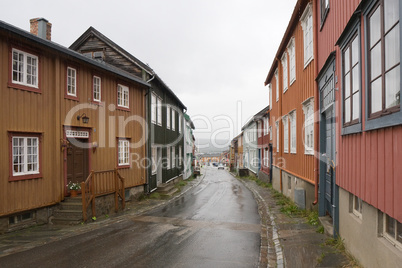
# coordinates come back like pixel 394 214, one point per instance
pixel 126 146
pixel 173 150
pixel 277 84
pixel 293 131
pixel 122 100
pixel 394 116
pixel 168 115
pixel 179 122
pixel 159 111
pixel 26 175
pixel 308 105
pixel 168 157
pixel 292 60
pixel 173 119
pixel 94 77
pixel 73 96
pixel 324 10
pixel 277 136
pixel 24 85
pixel 308 36
pixel 154 153
pixel 392 239
pixel 357 211
pixel 270 95
pixel 285 122
pixel 285 78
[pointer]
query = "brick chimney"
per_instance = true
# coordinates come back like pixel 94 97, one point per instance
pixel 42 28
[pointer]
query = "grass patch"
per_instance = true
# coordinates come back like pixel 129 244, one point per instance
pixel 154 195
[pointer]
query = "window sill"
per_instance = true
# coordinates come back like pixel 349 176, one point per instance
pixel 69 97
pixel 121 108
pixel 123 166
pixel 390 120
pixel 352 129
pixel 307 62
pixel 24 87
pixel 25 177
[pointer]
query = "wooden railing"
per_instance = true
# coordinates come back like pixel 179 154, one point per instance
pixel 101 183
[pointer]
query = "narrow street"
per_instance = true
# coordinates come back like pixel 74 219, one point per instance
pixel 215 224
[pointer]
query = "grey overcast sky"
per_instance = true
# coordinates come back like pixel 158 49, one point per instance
pixel 214 54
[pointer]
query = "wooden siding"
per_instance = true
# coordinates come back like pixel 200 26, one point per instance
pixel 303 88
pixel 45 113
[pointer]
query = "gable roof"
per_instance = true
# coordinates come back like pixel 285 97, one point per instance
pixel 66 51
pixel 93 32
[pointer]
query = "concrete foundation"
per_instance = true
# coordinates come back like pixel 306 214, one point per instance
pixel 363 236
pixel 262 176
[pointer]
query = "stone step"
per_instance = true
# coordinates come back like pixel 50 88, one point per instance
pixel 68 214
pixel 64 221
pixel 71 206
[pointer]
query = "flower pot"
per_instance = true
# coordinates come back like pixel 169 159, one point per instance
pixel 73 193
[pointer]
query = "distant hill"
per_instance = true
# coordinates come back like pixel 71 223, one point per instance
pixel 208 146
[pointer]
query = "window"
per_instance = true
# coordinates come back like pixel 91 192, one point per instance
pixel 292 117
pixel 277 85
pixel 259 130
pixel 351 79
pixel 266 158
pixel 384 59
pixel 270 95
pixel 153 108
pixel 285 134
pixel 180 158
pixel 324 10
pixel 173 157
pixel 168 117
pixel 292 60
pixel 122 96
pixel 123 152
pixel 307 26
pixel 168 157
pixel 392 231
pixel 308 111
pixel 154 164
pixel 266 125
pixel 159 111
pixel 25 156
pixel 357 206
pixel 97 88
pixel 71 82
pixel 180 118
pixel 173 120
pixel 285 72
pixel 277 136
pixel 24 68
pixel 270 133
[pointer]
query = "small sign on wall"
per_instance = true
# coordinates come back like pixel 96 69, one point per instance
pixel 77 134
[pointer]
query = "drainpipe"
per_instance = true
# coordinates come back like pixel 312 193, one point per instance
pixel 316 109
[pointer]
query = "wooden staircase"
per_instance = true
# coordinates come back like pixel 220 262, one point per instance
pixel 69 212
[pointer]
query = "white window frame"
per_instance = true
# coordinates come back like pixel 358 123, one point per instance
pixel 277 136
pixel 292 60
pixel 308 110
pixel 173 119
pixel 259 130
pixel 25 155
pixel 123 96
pixel 71 81
pixel 285 134
pixel 23 70
pixel 168 112
pixel 180 119
pixel 153 108
pixel 180 158
pixel 284 61
pixel 270 95
pixel 293 136
pixel 159 111
pixel 392 239
pixel 266 125
pixel 277 84
pixel 270 133
pixel 123 152
pixel 97 88
pixel 168 158
pixel 173 157
pixel 307 26
pixel 357 206
pixel 154 160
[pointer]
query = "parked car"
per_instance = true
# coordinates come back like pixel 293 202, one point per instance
pixel 221 166
pixel 215 164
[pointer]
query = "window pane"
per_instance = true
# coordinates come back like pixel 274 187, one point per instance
pixel 376 96
pixel 356 106
pixel 355 79
pixel 392 55
pixel 375 27
pixel 355 51
pixel 392 88
pixel 347 85
pixel 376 61
pixel 347 60
pixel 390 226
pixel 347 110
pixel 391 13
pixel 399 231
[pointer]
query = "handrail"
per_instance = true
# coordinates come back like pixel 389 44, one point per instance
pixel 100 183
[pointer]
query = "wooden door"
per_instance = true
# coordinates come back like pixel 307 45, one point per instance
pixel 77 163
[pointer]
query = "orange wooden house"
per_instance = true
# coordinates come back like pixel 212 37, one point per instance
pixel 63 116
pixel 292 88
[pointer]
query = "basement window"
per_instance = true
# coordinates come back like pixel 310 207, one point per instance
pixel 21 218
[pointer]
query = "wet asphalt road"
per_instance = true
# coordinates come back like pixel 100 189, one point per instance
pixel 216 224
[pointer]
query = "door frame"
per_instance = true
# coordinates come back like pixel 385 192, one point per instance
pixel 89 138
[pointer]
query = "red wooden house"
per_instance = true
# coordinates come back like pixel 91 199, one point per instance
pixel 359 86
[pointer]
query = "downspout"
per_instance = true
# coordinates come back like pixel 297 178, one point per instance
pixel 316 108
pixel 279 124
pixel 148 147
